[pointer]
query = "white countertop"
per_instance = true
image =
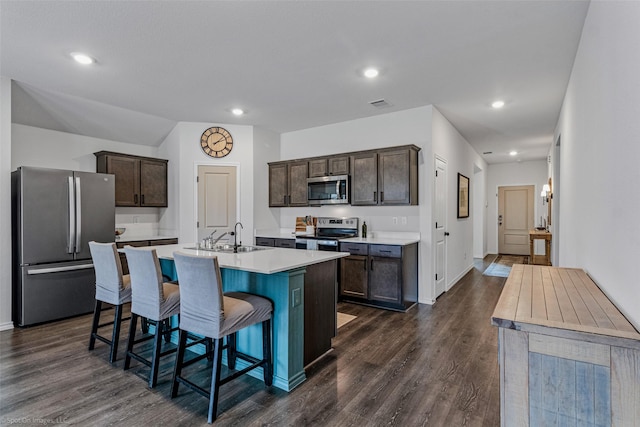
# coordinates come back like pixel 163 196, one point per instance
pixel 266 260
pixel 381 240
pixel 142 237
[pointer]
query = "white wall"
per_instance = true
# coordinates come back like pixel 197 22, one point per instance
pixel 266 148
pixel 479 195
pixel 45 148
pixel 183 145
pixel 450 146
pixel 5 203
pixel 517 173
pixel 600 177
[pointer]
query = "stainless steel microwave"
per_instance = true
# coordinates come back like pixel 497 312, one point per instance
pixel 328 190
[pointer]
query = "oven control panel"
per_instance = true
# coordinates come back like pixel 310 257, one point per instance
pixel 328 222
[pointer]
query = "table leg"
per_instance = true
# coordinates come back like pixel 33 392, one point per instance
pixel 547 250
pixel 531 240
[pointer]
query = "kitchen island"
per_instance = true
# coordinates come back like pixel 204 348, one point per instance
pixel 301 285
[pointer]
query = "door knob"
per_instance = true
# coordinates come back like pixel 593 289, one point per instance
pixel 446 233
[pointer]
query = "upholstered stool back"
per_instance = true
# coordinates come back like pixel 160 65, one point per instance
pixel 111 286
pixel 151 297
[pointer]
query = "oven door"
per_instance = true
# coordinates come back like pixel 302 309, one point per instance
pixel 327 245
pixel 301 243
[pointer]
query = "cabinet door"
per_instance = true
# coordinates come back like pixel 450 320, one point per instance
pixel 385 280
pixel 317 167
pixel 364 179
pixel 264 241
pixel 354 276
pixel 127 172
pixel 163 242
pixel 278 185
pixel 394 177
pixel 153 184
pixel 285 243
pixel 298 174
pixel 339 166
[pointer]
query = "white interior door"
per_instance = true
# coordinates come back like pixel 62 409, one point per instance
pixel 440 218
pixel 515 219
pixel 216 200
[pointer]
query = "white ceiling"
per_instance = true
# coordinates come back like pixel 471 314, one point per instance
pixel 291 65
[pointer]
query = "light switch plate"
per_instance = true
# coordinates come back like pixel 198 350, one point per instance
pixel 296 297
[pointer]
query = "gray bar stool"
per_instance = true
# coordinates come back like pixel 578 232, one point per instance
pixel 111 288
pixel 206 311
pixel 153 299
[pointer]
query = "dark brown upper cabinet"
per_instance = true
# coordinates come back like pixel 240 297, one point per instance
pixel 325 166
pixel 385 177
pixel 140 181
pixel 288 184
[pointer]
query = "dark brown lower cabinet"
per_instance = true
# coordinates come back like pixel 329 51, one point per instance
pixel 384 276
pixel 276 242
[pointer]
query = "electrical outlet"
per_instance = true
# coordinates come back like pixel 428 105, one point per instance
pixel 404 220
pixel 136 219
pixel 395 220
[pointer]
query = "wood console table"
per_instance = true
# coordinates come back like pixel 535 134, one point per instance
pixel 567 355
pixel 546 236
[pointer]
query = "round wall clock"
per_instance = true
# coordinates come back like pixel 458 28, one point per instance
pixel 216 142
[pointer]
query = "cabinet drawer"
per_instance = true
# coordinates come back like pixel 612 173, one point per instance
pixel 163 242
pixel 354 248
pixel 265 241
pixel 388 251
pixel 285 243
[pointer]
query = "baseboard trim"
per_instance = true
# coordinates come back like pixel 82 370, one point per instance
pixel 6 326
pixel 459 277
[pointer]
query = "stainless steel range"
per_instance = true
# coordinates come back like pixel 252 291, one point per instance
pixel 328 232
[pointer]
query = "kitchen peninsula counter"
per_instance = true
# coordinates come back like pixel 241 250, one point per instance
pixel 302 286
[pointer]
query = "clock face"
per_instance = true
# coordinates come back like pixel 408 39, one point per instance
pixel 216 142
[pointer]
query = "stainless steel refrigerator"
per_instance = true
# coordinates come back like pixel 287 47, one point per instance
pixel 55 213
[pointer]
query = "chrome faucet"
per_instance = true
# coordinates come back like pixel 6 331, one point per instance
pixel 234 233
pixel 219 237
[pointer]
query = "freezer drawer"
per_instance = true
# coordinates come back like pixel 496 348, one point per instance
pixel 53 291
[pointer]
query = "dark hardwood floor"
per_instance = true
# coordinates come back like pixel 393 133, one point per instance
pixel 434 365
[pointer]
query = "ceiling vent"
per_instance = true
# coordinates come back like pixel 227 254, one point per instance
pixel 380 103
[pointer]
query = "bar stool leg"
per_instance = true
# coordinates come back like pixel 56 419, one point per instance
pixel 115 336
pixel 132 337
pixel 177 370
pixel 266 352
pixel 94 324
pixel 157 347
pixel 231 350
pixel 215 380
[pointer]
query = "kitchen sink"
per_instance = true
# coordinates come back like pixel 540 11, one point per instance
pixel 229 248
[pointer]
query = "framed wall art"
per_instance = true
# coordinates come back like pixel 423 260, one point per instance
pixel 463 196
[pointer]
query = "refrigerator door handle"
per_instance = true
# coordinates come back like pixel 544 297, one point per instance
pixel 35 271
pixel 78 216
pixel 72 218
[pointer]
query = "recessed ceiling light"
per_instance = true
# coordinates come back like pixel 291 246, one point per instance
pixel 371 73
pixel 497 104
pixel 82 58
pixel 513 153
pixel 237 111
